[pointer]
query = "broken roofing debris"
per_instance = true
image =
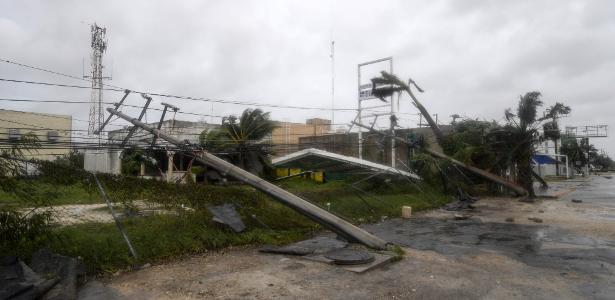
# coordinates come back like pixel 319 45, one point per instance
pixel 333 251
pixel 227 215
pixel 50 276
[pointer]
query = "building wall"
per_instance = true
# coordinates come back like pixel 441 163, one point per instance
pixel 41 125
pixel 103 160
pixel 285 137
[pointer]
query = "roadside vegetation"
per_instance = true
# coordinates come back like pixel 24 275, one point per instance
pixel 186 227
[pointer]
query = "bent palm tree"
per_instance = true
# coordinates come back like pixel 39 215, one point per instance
pixel 523 127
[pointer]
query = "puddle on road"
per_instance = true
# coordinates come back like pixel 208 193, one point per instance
pixel 518 241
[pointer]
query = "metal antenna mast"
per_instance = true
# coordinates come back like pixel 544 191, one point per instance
pixel 332 83
pixel 99 46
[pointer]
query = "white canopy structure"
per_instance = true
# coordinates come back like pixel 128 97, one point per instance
pixel 325 159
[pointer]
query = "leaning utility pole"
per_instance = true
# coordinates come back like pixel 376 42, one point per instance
pixel 99 46
pixel 317 214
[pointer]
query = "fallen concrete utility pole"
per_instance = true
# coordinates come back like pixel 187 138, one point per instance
pixel 518 190
pixel 317 214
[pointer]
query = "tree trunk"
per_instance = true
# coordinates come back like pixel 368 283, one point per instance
pixel 434 126
pixel 556 158
pixel 524 175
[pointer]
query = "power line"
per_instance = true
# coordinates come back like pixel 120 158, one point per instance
pixel 176 96
pixel 108 103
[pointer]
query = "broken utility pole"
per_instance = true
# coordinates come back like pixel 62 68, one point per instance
pixel 328 220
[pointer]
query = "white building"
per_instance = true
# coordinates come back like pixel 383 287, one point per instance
pixel 108 159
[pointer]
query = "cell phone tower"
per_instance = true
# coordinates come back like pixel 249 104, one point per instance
pixel 99 46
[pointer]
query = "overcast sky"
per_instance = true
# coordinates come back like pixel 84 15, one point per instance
pixel 471 57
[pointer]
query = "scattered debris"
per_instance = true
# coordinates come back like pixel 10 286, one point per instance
pixel 330 250
pixel 461 217
pixel 464 202
pixel 510 220
pixel 52 276
pixel 317 245
pixel 608 176
pixel 68 269
pixel 576 200
pixel 541 211
pixel 537 220
pixel 227 215
pixel 349 257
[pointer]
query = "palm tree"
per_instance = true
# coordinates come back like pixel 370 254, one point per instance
pixel 242 137
pixel 523 134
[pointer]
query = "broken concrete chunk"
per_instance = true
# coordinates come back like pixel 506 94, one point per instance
pixel 227 215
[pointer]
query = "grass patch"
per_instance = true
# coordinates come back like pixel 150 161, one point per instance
pixel 50 194
pixel 157 238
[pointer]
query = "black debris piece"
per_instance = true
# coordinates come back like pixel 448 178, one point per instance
pixel 227 215
pixel 576 200
pixel 463 202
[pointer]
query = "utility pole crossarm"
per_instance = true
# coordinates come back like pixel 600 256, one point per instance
pixel 164 112
pixel 148 99
pixel 117 105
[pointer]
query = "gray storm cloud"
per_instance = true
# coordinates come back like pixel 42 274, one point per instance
pixel 472 57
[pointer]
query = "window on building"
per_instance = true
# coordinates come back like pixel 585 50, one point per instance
pixel 53 136
pixel 14 134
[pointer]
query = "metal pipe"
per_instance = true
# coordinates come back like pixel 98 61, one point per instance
pixel 330 221
pixel 117 221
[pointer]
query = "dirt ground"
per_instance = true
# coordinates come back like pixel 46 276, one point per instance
pixel 569 255
pixel 72 214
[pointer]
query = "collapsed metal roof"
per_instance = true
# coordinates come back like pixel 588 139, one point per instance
pixel 321 159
